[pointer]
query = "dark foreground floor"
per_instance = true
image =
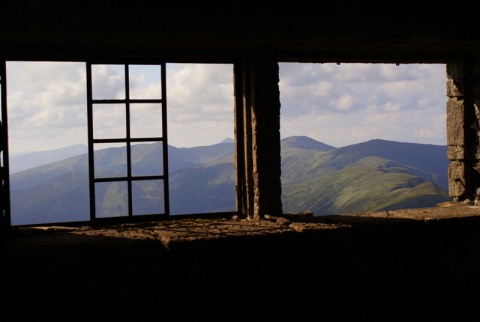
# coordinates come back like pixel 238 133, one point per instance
pixel 401 271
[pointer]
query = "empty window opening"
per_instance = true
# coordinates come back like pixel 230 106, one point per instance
pixel 48 118
pixel 201 132
pixel 362 137
pixel 327 111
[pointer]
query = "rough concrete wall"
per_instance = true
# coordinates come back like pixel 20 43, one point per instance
pixel 475 87
pixel 266 138
pixel 257 137
pixel 239 156
pixel 463 129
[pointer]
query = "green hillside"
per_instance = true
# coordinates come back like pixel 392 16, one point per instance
pixel 371 176
pixel 371 184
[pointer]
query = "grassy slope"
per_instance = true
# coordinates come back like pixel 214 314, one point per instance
pixel 370 184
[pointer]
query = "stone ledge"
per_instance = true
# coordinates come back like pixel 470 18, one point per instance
pixel 188 230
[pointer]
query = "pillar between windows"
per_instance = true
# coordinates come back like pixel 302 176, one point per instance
pixel 463 129
pixel 257 138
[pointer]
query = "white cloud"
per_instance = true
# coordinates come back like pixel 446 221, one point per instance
pixel 335 104
pixel 200 104
pixel 391 107
pixel 344 103
pixel 404 103
pixel 46 105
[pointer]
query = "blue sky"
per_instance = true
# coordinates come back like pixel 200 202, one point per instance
pixel 335 104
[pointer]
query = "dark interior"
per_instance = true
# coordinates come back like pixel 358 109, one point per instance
pixel 406 270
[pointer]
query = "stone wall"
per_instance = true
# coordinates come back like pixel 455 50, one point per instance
pixel 257 137
pixel 463 129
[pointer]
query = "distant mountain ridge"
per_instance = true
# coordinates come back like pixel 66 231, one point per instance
pixel 30 160
pixel 410 154
pixel 304 143
pixel 369 176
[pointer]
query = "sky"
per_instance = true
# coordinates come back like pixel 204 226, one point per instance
pixel 338 105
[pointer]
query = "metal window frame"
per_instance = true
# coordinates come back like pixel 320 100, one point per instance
pixel 128 140
pixel 5 213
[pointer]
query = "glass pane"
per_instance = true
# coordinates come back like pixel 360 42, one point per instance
pixel 145 82
pixel 108 82
pixel 109 121
pixel 111 199
pixel 145 120
pixel 110 162
pixel 147 159
pixel 148 197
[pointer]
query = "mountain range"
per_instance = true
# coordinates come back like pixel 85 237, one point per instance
pixel 24 161
pixel 370 176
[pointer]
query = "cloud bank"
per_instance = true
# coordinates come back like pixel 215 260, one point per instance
pixel 351 103
pixel 336 104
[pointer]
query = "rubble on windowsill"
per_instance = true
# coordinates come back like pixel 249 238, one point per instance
pixel 196 229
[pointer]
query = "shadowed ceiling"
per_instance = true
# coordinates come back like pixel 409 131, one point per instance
pixel 203 31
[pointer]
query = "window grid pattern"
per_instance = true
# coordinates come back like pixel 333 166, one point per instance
pixel 125 181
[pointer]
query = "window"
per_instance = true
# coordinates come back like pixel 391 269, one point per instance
pixel 88 141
